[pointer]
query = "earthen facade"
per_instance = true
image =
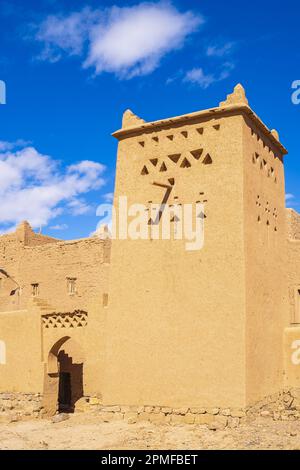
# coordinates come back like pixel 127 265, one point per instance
pixel 145 327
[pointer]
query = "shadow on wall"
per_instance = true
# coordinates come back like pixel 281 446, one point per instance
pixel 70 387
pixel 63 378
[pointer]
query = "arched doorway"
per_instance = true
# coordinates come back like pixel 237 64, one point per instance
pixel 70 387
pixel 64 376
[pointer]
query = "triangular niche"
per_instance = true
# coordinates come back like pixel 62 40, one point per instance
pixel 197 153
pixel 207 160
pixel 185 163
pixel 144 171
pixel 174 157
pixel 163 167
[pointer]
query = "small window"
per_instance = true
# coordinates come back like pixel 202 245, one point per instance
pixel 71 285
pixel 35 289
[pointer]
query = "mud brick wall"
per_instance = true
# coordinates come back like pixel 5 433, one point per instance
pixel 31 258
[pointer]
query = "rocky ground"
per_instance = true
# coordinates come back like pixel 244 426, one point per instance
pixel 84 431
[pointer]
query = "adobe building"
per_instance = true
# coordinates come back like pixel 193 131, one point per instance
pixel 145 329
pixel 50 291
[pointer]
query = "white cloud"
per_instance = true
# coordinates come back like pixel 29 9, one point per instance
pixel 59 227
pixel 126 41
pixel 4 146
pixel 204 80
pixel 65 34
pixel 197 76
pixel 220 50
pixel 34 187
pixel 289 196
pixel 227 68
pixel 133 40
pixel 78 207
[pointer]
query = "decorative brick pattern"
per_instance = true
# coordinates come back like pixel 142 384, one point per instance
pixel 76 319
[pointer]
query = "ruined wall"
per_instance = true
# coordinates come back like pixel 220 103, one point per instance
pixel 34 259
pixel 293 266
pixel 293 224
pixel 11 254
pixel 50 265
pixel 292 320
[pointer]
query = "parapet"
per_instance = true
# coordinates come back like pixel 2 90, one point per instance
pixel 235 103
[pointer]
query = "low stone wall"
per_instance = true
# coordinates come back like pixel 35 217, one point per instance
pixel 17 406
pixel 282 406
pixel 215 418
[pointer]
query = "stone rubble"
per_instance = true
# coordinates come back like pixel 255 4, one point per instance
pixel 284 406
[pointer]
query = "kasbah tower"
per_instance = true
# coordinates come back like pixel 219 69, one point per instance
pixel 165 333
pixel 200 327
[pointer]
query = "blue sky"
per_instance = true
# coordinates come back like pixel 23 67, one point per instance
pixel 72 68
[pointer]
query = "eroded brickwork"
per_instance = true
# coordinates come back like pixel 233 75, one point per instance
pixel 293 224
pixel 67 274
pixel 293 265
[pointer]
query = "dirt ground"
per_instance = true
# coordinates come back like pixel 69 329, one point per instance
pixel 83 431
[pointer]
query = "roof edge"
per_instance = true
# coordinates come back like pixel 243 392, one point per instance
pixel 240 108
